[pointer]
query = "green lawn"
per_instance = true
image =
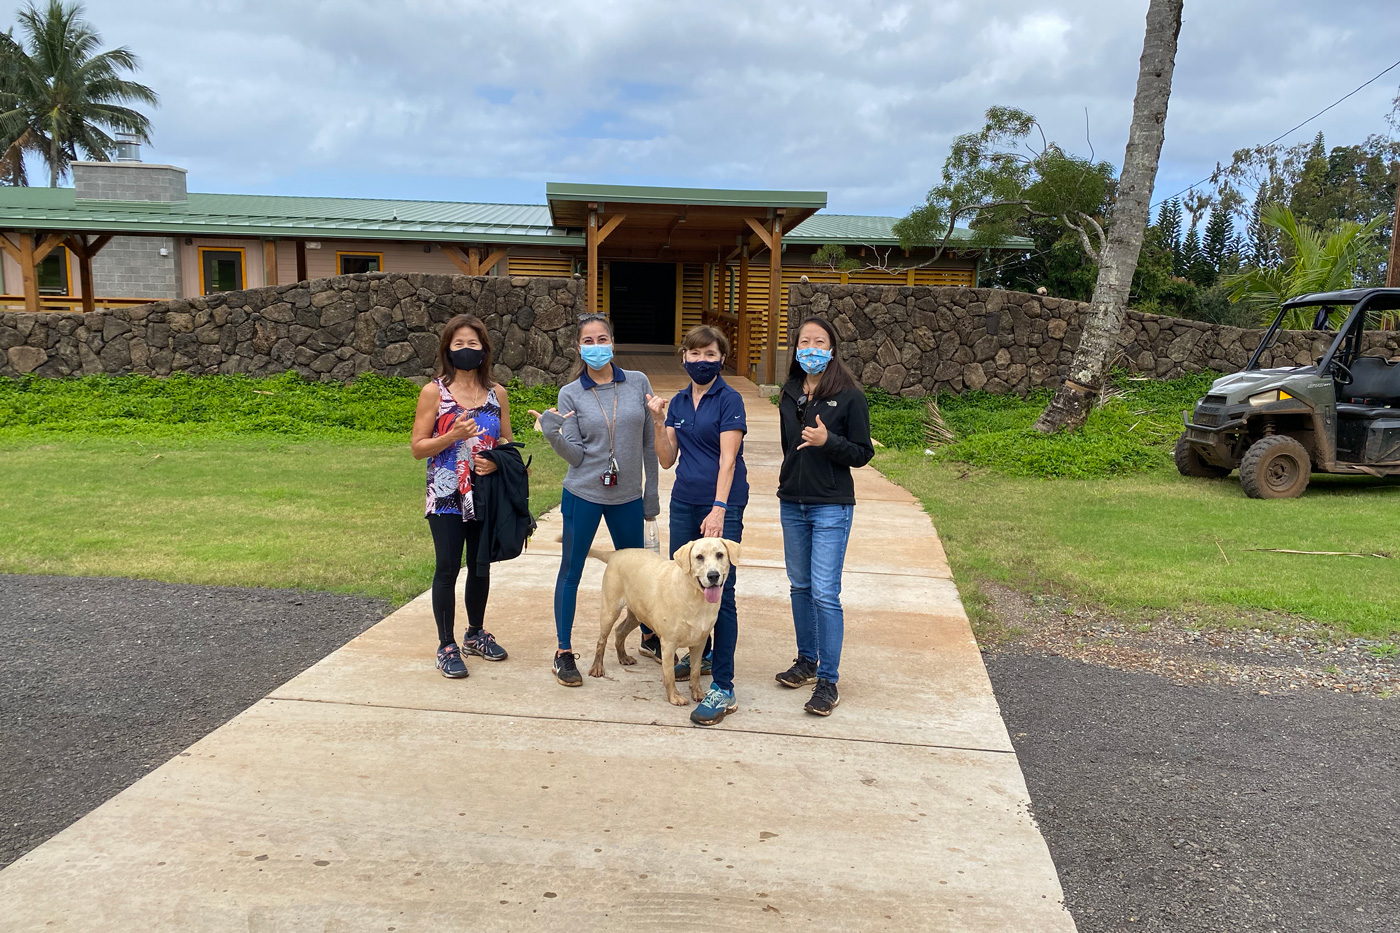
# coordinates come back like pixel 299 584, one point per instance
pixel 1156 541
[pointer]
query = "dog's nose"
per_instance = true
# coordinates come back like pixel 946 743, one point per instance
pixel 714 578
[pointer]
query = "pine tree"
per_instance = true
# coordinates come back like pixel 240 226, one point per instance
pixel 1216 246
pixel 1263 251
pixel 1169 223
pixel 1194 264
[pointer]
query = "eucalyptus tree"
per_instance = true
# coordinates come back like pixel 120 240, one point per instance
pixel 60 96
pixel 1118 258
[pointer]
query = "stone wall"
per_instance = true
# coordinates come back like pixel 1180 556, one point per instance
pixel 328 329
pixel 917 340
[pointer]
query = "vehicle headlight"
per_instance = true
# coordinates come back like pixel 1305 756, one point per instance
pixel 1273 395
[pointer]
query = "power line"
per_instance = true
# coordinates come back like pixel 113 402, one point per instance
pixel 1291 129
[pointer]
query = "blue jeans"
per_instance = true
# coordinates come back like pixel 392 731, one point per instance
pixel 581 519
pixel 814 549
pixel 685 526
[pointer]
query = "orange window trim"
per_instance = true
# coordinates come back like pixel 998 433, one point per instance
pixel 242 263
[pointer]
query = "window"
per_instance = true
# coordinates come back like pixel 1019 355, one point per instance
pixel 220 270
pixel 351 263
pixel 53 273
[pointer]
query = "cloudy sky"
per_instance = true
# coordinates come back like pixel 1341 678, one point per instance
pixel 467 100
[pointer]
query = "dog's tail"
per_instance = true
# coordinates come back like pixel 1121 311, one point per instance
pixel 600 555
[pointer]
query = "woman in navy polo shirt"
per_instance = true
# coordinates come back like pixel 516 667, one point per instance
pixel 705 426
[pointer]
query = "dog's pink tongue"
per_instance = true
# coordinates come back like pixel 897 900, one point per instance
pixel 712 593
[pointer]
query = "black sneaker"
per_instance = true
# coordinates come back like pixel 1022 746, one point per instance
pixel 449 661
pixel 802 672
pixel 824 698
pixel 651 647
pixel 484 646
pixel 566 671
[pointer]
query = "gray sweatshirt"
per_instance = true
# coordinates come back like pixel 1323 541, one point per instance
pixel 582 439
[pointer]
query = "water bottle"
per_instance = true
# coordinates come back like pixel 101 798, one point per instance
pixel 653 538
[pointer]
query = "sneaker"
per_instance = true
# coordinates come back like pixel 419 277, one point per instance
pixel 802 672
pixel 449 661
pixel 683 668
pixel 566 671
pixel 651 647
pixel 824 698
pixel 717 704
pixel 484 646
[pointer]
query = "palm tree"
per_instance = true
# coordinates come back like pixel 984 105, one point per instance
pixel 1118 260
pixel 60 96
pixel 1316 261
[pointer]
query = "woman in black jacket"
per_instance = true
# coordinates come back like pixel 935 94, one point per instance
pixel 825 432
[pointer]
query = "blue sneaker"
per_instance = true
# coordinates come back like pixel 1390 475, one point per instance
pixel 683 668
pixel 449 662
pixel 717 704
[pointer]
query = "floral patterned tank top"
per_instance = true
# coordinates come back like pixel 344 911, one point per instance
pixel 450 469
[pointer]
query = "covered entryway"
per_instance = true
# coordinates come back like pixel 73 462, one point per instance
pixel 642 302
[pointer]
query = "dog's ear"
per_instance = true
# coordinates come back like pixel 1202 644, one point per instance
pixel 733 548
pixel 682 556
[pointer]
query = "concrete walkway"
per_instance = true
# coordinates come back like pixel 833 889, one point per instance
pixel 371 794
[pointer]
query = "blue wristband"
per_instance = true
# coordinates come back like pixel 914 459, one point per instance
pixel 721 505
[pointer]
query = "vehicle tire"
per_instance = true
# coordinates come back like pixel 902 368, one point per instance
pixel 1275 467
pixel 1189 462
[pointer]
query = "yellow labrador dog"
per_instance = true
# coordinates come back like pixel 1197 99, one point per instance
pixel 678 598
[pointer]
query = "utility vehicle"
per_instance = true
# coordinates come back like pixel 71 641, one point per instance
pixel 1280 425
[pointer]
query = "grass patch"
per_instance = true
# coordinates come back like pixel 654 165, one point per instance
pixel 1157 541
pixel 227 480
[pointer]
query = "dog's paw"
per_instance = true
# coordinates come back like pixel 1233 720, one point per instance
pixel 697 695
pixel 626 659
pixel 678 700
pixel 595 671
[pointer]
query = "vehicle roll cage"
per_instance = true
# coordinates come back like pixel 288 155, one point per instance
pixel 1348 337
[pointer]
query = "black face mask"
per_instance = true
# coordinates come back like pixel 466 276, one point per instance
pixel 466 359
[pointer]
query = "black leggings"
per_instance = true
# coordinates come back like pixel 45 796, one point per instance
pixel 450 533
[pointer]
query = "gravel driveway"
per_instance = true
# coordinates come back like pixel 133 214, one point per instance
pixel 102 680
pixel 1189 808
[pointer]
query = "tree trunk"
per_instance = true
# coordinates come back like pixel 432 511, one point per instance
pixel 1101 325
pixel 53 161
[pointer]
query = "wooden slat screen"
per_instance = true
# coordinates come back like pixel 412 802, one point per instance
pixel 692 294
pixel 539 265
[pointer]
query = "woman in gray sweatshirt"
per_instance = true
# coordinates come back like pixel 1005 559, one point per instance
pixel 603 429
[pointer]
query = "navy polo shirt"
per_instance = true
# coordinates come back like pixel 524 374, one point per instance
pixel 697 438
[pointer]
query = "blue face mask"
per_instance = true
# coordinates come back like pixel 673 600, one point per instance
pixel 702 372
pixel 596 355
pixel 813 359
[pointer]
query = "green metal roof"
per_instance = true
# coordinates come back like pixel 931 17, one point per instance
pixel 717 197
pixel 264 215
pixel 871 231
pixel 444 221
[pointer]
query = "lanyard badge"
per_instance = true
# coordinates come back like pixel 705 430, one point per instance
pixel 609 476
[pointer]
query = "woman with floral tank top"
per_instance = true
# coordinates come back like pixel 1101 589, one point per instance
pixel 460 413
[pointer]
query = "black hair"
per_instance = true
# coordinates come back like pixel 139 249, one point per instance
pixel 836 378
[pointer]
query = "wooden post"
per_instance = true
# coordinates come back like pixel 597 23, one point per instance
pixel 27 271
pixel 743 349
pixel 775 290
pixel 590 285
pixel 269 262
pixel 85 275
pixel 474 261
pixel 1392 266
pixel 301 260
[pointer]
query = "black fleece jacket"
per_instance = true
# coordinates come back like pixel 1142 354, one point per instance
pixel 822 475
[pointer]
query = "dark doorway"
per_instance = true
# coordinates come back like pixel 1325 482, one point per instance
pixel 643 302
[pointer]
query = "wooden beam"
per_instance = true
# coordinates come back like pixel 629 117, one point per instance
pixel 474 261
pixel 269 262
pixel 463 265
pixel 775 291
pixel 8 245
pixel 490 261
pixel 50 243
pixel 610 226
pixel 763 235
pixel 28 273
pixel 78 245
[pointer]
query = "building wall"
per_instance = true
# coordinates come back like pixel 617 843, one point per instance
pixel 132 267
